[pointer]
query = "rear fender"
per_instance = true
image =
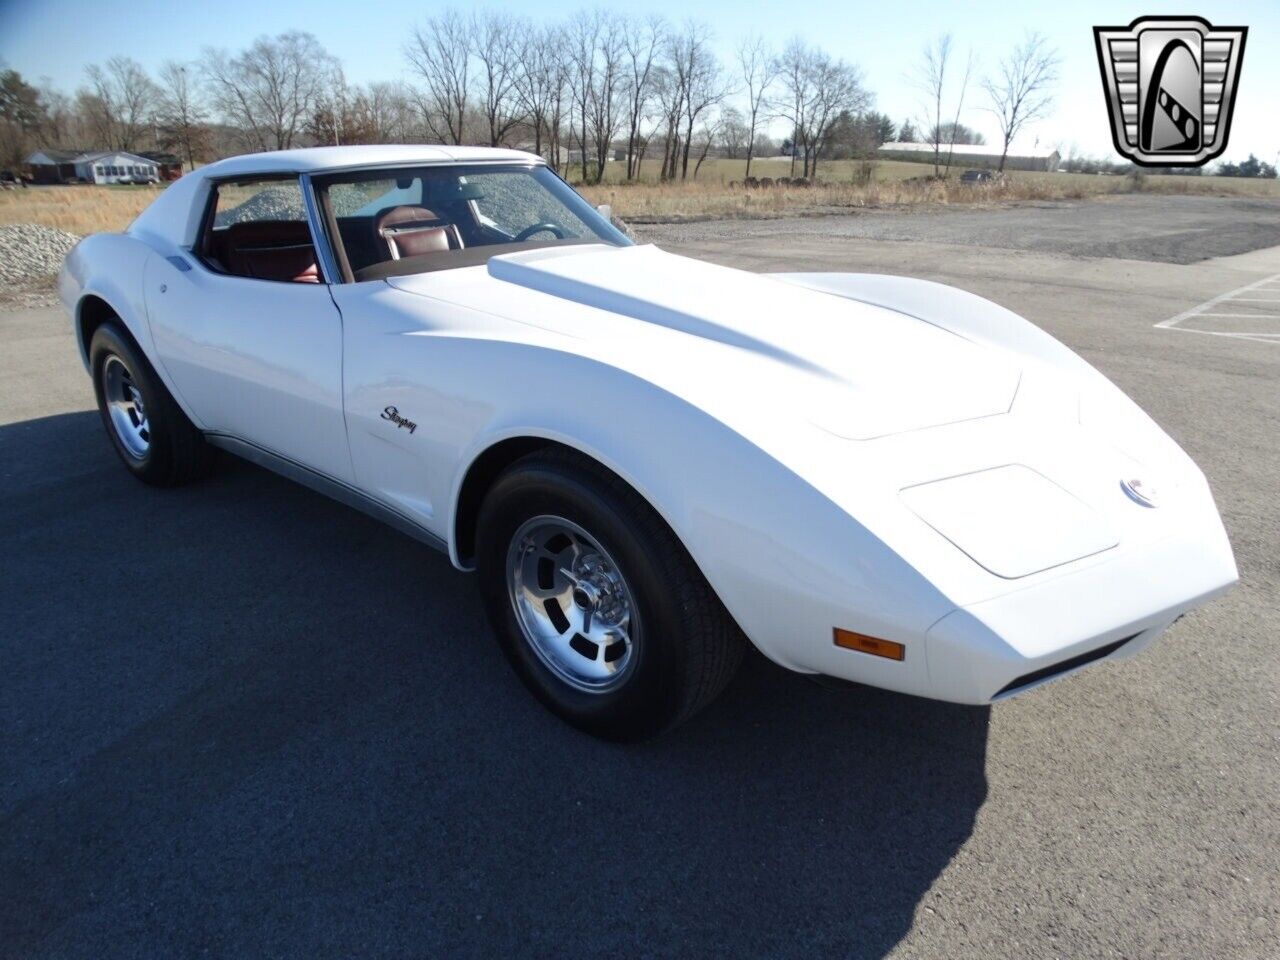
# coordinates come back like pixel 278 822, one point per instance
pixel 110 267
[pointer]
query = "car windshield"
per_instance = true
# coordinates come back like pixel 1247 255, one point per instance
pixel 420 219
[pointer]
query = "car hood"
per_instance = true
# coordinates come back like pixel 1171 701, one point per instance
pixel 856 370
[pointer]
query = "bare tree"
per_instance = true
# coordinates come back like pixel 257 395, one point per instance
pixel 816 90
pixel 440 53
pixel 837 89
pixel 497 49
pixel 351 114
pixel 735 134
pixel 759 71
pixel 699 77
pixel 955 124
pixel 180 113
pixel 641 44
pixel 385 109
pixel 708 133
pixel 582 35
pixel 595 45
pixel 330 120
pixel 606 87
pixel 795 73
pixel 669 95
pixel 1020 93
pixel 541 87
pixel 932 79
pixel 269 90
pixel 121 99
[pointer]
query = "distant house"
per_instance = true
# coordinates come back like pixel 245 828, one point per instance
pixel 969 155
pixel 53 166
pixel 169 165
pixel 70 166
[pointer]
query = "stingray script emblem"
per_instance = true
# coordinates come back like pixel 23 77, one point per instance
pixel 392 414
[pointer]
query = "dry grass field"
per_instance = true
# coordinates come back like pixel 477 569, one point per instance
pixel 87 209
pixel 894 183
pixel 76 209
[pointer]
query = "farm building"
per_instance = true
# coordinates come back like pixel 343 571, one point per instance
pixel 966 155
pixel 68 166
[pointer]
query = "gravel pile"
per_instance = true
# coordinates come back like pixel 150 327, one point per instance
pixel 31 254
pixel 271 203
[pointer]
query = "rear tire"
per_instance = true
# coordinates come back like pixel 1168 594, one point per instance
pixel 150 433
pixel 559 533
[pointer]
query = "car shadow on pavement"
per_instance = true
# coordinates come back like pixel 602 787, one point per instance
pixel 237 718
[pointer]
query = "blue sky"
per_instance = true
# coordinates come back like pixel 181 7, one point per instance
pixel 57 38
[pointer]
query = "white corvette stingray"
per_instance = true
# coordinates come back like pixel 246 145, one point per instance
pixel 646 457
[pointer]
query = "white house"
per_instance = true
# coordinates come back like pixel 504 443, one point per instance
pixel 62 166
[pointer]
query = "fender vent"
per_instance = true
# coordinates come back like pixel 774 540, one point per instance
pixel 1065 666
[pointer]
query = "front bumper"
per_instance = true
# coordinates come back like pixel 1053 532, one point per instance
pixel 1110 609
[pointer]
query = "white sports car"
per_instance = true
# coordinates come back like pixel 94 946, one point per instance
pixel 646 458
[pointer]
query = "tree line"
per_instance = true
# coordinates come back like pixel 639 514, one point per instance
pixel 574 91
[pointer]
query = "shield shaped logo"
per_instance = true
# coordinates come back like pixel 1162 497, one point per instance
pixel 1170 84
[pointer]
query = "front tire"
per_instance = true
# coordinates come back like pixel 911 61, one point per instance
pixel 153 437
pixel 601 611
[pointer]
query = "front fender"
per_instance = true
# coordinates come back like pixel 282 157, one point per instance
pixel 788 563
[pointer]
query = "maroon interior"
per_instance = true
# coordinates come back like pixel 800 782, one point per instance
pixel 267 250
pixel 409 231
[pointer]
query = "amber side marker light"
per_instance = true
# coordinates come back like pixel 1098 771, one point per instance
pixel 864 644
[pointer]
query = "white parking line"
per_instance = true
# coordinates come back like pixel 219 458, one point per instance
pixel 1265 286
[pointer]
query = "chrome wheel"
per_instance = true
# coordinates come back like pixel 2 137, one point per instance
pixel 572 603
pixel 125 407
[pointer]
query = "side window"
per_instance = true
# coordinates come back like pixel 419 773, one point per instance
pixel 258 229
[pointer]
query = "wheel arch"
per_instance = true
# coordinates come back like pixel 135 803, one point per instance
pixel 485 468
pixel 92 311
pixel 113 291
pixel 478 478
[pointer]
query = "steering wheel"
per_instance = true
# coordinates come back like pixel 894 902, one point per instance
pixel 545 226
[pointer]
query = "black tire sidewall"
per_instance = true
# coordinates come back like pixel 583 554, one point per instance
pixel 108 341
pixel 651 696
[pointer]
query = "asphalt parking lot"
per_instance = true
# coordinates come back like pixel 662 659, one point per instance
pixel 237 719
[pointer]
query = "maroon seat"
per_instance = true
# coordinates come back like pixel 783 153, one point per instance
pixel 270 250
pixel 408 231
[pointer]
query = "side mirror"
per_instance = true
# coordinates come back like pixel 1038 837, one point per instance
pixel 605 211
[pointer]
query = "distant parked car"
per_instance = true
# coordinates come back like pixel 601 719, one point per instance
pixel 981 177
pixel 10 181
